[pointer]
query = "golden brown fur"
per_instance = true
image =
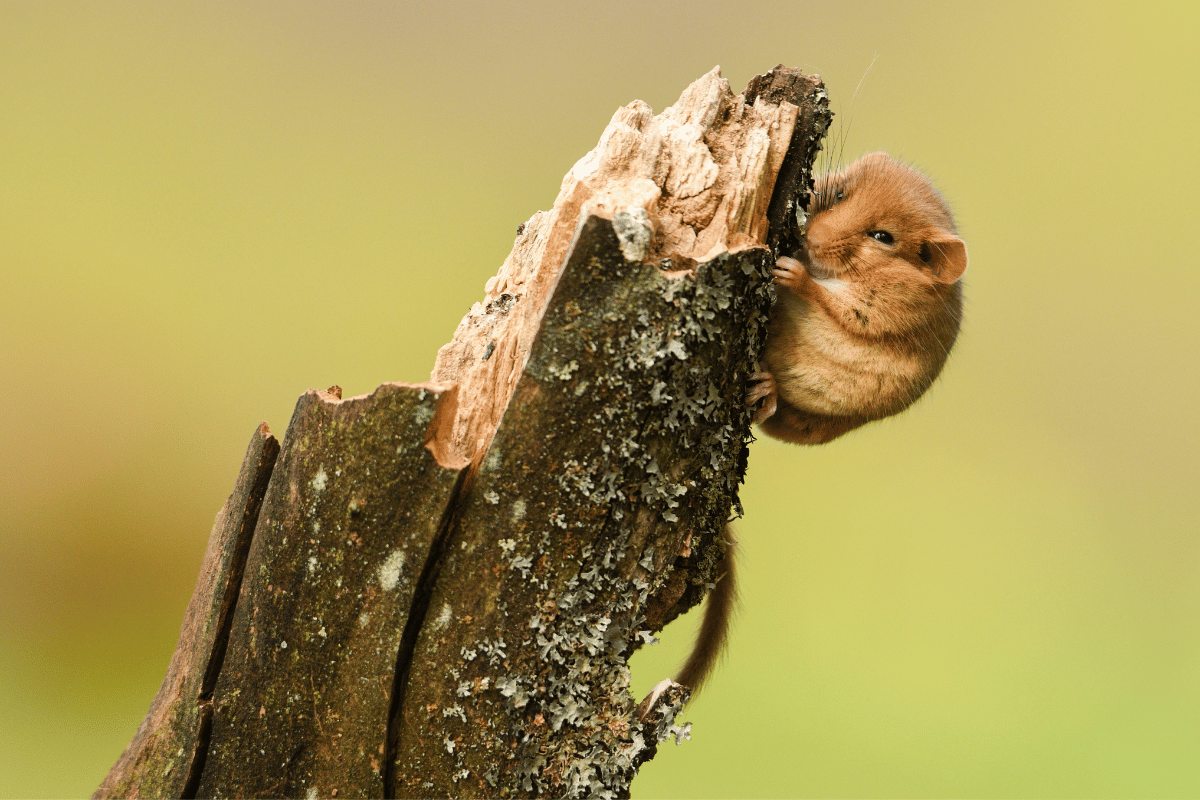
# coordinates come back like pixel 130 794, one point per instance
pixel 869 309
pixel 718 610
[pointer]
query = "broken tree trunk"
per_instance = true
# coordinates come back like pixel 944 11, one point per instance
pixel 434 589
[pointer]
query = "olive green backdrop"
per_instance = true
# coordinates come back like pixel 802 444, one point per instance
pixel 207 208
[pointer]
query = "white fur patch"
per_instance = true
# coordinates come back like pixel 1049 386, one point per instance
pixel 831 284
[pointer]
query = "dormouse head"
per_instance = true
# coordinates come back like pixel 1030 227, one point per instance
pixel 877 213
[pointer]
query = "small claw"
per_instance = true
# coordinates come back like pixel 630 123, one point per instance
pixel 764 386
pixel 768 408
pixel 757 393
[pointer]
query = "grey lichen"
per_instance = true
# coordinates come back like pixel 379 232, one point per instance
pixel 634 231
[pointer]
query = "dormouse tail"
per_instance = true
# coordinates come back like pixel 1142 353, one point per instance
pixel 718 610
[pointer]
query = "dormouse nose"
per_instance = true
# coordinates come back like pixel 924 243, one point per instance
pixel 818 234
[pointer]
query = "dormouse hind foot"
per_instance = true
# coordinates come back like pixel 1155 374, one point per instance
pixel 763 386
pixel 790 273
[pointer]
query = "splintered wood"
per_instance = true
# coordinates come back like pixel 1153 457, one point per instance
pixel 683 186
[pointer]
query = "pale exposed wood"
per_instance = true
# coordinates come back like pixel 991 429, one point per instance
pixel 698 176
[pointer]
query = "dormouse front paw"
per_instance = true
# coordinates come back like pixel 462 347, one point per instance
pixel 791 273
pixel 762 386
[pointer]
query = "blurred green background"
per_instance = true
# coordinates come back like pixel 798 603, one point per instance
pixel 207 208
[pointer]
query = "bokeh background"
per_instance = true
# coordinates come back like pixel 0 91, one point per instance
pixel 207 208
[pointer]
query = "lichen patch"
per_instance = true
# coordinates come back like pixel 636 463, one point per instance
pixel 389 571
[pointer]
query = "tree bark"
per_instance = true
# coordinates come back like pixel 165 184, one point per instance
pixel 446 580
pixel 173 737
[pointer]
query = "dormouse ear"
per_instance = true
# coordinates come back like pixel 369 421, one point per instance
pixel 947 258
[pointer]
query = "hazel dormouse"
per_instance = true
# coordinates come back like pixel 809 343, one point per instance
pixel 867 310
pixel 865 316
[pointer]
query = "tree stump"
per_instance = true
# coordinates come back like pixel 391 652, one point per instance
pixel 433 590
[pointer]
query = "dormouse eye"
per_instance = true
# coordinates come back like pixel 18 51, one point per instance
pixel 840 194
pixel 882 236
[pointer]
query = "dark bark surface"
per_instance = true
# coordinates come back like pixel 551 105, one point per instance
pixel 345 530
pixel 167 752
pixel 444 583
